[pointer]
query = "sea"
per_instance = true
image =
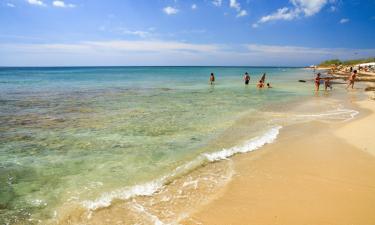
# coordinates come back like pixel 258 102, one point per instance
pixel 146 145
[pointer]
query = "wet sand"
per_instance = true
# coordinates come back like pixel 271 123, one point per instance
pixel 314 174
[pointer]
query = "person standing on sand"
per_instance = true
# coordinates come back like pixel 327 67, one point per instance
pixel 212 79
pixel 317 82
pixel 352 79
pixel 246 78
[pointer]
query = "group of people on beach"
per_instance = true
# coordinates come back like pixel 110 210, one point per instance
pixel 327 81
pixel 318 79
pixel 246 79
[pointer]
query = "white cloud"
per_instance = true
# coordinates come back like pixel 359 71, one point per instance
pixel 217 2
pixel 127 52
pixel 300 8
pixel 242 13
pixel 309 7
pixel 10 5
pixel 344 20
pixel 275 49
pixel 62 4
pixel 234 4
pixel 119 46
pixel 193 6
pixel 139 33
pixel 36 2
pixel 237 6
pixel 170 10
pixel 281 14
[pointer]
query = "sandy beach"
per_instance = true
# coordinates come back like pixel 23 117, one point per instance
pixel 313 174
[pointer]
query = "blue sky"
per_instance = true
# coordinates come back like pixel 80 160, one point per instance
pixel 184 32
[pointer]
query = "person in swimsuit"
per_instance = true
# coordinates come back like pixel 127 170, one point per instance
pixel 269 85
pixel 352 79
pixel 246 78
pixel 260 84
pixel 212 79
pixel 327 83
pixel 317 82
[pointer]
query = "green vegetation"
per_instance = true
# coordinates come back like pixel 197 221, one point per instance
pixel 347 62
pixel 331 62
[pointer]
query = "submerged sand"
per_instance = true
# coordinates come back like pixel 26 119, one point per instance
pixel 313 174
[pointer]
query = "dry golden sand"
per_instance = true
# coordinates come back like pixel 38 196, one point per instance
pixel 314 174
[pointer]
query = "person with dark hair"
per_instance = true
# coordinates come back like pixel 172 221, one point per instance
pixel 212 79
pixel 317 82
pixel 246 78
pixel 260 84
pixel 327 83
pixel 352 79
pixel 269 85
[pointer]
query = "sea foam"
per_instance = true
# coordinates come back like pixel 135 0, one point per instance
pixel 148 189
pixel 250 145
pixel 338 114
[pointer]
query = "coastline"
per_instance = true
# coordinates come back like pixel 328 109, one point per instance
pixel 314 173
pixel 287 180
pixel 199 179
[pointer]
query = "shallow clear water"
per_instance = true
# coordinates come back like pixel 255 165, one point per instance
pixel 72 134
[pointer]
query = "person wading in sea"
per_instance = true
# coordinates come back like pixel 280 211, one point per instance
pixel 212 79
pixel 246 78
pixel 317 82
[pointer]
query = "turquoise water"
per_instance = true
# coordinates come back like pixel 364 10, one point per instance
pixel 72 134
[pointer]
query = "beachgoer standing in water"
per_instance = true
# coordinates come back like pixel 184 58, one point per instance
pixel 352 79
pixel 246 78
pixel 260 84
pixel 269 85
pixel 317 82
pixel 212 79
pixel 327 84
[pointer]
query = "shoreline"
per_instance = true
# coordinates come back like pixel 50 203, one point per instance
pixel 329 182
pixel 187 197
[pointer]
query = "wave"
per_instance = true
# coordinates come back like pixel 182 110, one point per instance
pixel 251 145
pixel 149 188
pixel 338 114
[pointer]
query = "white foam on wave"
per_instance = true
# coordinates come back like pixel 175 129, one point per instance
pixel 106 199
pixel 148 189
pixel 250 145
pixel 341 114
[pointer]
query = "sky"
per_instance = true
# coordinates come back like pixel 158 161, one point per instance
pixel 184 32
